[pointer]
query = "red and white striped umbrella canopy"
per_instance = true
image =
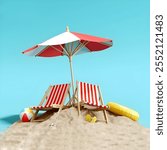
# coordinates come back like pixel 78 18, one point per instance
pixel 69 43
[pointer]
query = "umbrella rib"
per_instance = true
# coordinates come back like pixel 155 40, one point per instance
pixel 78 47
pixel 64 50
pixel 71 47
pixel 57 50
pixel 68 50
pixel 81 46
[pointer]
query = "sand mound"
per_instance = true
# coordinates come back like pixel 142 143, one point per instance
pixel 67 131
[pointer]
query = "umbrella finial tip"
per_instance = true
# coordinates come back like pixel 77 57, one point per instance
pixel 67 29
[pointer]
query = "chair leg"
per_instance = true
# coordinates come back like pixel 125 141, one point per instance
pixel 35 115
pixel 101 100
pixel 61 107
pixel 78 106
pixel 105 116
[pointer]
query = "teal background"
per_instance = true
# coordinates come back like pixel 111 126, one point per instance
pixel 122 71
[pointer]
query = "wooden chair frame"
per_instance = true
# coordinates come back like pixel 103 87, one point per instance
pixel 81 103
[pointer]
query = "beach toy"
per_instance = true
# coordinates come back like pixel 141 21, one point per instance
pixel 88 118
pixel 91 119
pixel 26 115
pixel 123 111
pixel 94 119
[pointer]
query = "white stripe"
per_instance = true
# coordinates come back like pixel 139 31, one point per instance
pixel 90 94
pixel 29 115
pixel 55 93
pixel 56 98
pixel 83 92
pixel 97 94
pixel 62 89
pixel 21 115
pixel 94 95
pixel 58 94
pixel 86 91
pixel 63 38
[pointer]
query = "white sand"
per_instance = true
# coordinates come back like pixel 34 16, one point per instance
pixel 68 132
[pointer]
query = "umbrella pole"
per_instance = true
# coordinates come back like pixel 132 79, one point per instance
pixel 72 79
pixel 72 75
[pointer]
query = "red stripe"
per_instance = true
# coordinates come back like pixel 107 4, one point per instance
pixel 49 96
pixel 89 94
pixel 84 85
pixel 54 101
pixel 90 38
pixel 56 96
pixel 36 107
pixel 30 49
pixel 60 94
pixel 25 118
pixel 49 51
pixel 93 46
pixel 63 94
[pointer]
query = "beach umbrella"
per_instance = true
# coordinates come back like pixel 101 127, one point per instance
pixel 69 44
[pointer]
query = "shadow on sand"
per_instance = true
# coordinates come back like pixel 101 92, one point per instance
pixel 10 119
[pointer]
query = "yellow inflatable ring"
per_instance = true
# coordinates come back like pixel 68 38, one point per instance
pixel 123 111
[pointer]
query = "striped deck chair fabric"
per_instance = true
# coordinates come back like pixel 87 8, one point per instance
pixel 90 95
pixel 55 96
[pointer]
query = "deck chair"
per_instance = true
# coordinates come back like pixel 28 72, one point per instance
pixel 89 96
pixel 53 99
